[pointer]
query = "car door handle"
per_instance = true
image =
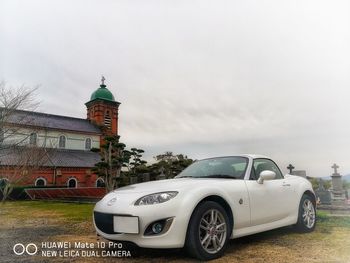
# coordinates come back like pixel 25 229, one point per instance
pixel 285 184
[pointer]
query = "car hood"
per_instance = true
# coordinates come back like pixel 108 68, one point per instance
pixel 169 185
pixel 127 195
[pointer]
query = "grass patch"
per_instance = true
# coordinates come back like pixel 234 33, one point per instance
pixel 75 212
pixel 80 212
pixel 35 221
pixel 326 220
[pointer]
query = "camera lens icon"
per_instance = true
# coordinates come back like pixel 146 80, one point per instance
pixel 19 249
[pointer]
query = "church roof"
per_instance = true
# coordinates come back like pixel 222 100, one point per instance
pixel 48 157
pixel 102 93
pixel 50 121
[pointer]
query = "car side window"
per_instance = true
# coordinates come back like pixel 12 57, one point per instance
pixel 260 165
pixel 252 174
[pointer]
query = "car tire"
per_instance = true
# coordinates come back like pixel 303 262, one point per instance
pixel 307 215
pixel 208 231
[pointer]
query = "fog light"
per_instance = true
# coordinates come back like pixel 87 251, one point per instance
pixel 157 228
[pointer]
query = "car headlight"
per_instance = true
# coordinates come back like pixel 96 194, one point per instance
pixel 156 198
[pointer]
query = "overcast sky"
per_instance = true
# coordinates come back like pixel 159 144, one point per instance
pixel 204 78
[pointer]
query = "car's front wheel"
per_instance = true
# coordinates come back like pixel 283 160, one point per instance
pixel 208 231
pixel 307 214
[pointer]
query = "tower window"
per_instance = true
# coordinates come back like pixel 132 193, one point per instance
pixel 108 119
pixel 87 143
pixel 62 142
pixel 33 138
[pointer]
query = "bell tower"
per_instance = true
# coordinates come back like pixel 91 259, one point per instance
pixel 102 110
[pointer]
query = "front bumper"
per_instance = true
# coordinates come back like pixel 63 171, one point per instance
pixel 174 237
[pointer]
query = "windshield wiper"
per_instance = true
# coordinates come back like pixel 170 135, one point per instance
pixel 210 176
pixel 219 176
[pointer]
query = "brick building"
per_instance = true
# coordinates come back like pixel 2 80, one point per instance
pixel 50 150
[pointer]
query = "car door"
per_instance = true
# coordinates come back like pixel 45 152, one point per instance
pixel 270 200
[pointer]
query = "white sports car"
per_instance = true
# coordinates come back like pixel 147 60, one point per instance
pixel 208 203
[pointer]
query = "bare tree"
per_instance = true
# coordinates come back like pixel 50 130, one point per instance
pixel 18 166
pixel 17 163
pixel 11 100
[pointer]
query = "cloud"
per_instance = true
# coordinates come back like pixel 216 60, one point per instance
pixel 200 77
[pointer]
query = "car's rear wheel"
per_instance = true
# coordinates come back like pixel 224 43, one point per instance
pixel 208 231
pixel 307 214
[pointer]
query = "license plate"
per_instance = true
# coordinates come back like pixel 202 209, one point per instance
pixel 126 224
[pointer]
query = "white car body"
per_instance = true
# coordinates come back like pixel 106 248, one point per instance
pixel 254 207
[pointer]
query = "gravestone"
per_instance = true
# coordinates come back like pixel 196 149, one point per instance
pixel 337 190
pixel 301 173
pixel 323 195
pixel 291 168
pixel 162 176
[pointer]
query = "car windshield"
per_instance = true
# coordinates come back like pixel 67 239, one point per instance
pixel 222 167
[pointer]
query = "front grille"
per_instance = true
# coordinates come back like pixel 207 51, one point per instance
pixel 104 222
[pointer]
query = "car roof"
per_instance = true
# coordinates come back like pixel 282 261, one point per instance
pixel 252 156
pixel 255 156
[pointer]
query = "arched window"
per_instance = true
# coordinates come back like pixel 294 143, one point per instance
pixel 87 143
pixel 72 183
pixel 32 138
pixel 40 181
pixel 100 182
pixel 62 142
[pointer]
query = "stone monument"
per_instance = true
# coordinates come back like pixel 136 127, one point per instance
pixel 290 167
pixel 162 176
pixel 338 196
pixel 301 173
pixel 323 195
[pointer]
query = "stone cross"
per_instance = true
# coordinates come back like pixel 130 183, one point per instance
pixel 162 175
pixel 335 167
pixel 290 168
pixel 161 170
pixel 103 80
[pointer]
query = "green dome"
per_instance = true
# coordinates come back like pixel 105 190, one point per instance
pixel 102 93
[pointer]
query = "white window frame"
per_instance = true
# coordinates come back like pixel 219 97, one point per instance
pixel 33 138
pixel 65 141
pixel 86 143
pixel 99 179
pixel 40 178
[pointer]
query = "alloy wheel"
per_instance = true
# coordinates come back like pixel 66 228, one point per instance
pixel 212 231
pixel 308 213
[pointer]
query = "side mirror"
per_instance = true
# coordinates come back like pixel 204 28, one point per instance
pixel 266 175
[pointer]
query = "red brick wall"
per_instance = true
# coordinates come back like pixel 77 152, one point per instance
pixel 96 112
pixel 83 175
